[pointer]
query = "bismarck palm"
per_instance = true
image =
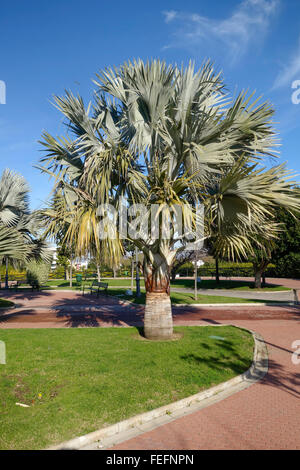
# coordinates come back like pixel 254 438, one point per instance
pixel 169 136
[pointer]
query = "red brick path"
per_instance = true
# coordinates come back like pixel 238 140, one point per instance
pixel 264 416
pixel 49 309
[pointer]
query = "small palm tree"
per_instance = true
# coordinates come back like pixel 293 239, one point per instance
pixel 167 136
pixel 19 228
pixel 13 206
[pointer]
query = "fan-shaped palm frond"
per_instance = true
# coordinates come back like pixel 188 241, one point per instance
pixel 12 244
pixel 13 197
pixel 19 228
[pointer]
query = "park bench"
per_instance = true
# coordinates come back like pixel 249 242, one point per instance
pixel 33 284
pixel 20 282
pixel 98 286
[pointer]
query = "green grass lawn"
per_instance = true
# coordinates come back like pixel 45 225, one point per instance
pixel 79 380
pixel 6 303
pixel 186 298
pixel 176 297
pixel 181 283
pixel 62 284
pixel 226 284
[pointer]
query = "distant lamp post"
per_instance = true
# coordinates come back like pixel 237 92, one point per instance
pixel 197 264
pixel 132 271
pixel 137 276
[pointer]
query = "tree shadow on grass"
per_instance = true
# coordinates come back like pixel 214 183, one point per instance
pixel 278 375
pixel 218 360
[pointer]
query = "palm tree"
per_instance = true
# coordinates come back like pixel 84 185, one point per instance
pixel 167 136
pixel 19 228
pixel 228 228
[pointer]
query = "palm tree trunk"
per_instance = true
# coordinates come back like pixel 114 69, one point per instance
pixel 257 279
pixel 173 273
pixel 71 270
pixel 196 281
pixel 217 271
pixel 132 272
pixel 98 272
pixel 259 271
pixel 158 321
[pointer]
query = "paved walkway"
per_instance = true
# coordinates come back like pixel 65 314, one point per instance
pixel 264 416
pixel 57 309
pixel 275 296
pixel 292 283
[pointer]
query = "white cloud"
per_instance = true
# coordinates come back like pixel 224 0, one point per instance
pixel 290 71
pixel 249 21
pixel 169 15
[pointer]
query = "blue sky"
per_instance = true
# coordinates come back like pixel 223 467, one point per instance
pixel 47 47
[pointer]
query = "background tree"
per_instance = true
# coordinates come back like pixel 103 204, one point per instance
pixel 286 253
pixel 63 259
pixel 183 257
pixel 260 259
pixel 37 273
pixel 259 239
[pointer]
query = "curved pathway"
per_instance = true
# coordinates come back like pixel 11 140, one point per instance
pixel 274 296
pixel 264 416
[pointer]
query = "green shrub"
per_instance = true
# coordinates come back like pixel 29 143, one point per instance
pixel 37 273
pixel 226 269
pixel 288 266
